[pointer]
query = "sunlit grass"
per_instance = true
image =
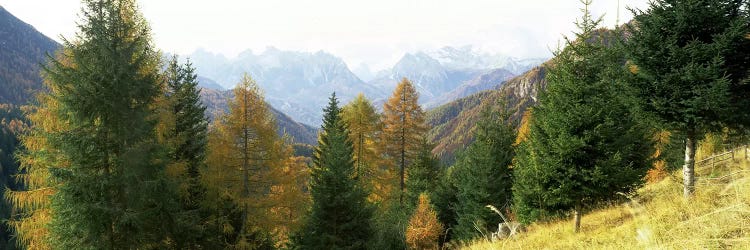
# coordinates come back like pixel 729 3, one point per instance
pixel 718 217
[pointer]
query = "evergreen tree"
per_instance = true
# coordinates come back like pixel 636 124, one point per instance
pixel 584 145
pixel 483 176
pixel 340 216
pixel 185 135
pixel 423 175
pixel 444 197
pixel 111 191
pixel 403 128
pixel 691 59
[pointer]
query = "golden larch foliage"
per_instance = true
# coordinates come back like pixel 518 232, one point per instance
pixel 659 171
pixel 524 128
pixel 364 132
pixel 250 163
pixel 403 128
pixel 424 229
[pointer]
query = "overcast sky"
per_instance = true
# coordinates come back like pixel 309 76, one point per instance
pixel 377 32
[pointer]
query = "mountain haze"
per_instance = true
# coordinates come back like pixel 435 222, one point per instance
pixel 295 83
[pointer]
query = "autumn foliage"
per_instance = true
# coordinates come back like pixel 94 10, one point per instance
pixel 424 228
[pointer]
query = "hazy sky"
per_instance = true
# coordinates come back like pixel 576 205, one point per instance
pixel 374 32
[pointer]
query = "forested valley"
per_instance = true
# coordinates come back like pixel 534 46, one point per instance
pixel 116 149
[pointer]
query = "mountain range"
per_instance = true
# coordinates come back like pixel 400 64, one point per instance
pixel 23 50
pixel 297 83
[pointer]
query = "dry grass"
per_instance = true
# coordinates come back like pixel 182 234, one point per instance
pixel 718 217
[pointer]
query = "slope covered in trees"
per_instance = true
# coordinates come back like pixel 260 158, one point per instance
pixel 216 103
pixel 452 124
pixel 22 50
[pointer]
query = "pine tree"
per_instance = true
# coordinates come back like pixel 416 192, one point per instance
pixel 584 145
pixel 691 59
pixel 340 216
pixel 424 229
pixel 184 130
pixel 245 160
pixel 483 176
pixel 110 190
pixel 403 128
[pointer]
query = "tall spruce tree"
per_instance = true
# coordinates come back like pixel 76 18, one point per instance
pixel 483 176
pixel 340 216
pixel 112 192
pixel 691 60
pixel 584 145
pixel 186 138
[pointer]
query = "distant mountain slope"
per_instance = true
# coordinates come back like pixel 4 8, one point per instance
pixel 431 78
pixel 216 103
pixel 296 83
pixel 204 82
pixel 486 81
pixel 453 123
pixel 449 73
pixel 22 50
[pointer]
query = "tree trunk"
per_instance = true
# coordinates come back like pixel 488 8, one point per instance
pixel 688 170
pixel 577 219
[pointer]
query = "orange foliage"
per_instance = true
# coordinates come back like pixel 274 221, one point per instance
pixel 424 229
pixel 659 171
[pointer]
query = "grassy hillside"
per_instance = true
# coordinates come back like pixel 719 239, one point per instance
pixel 657 217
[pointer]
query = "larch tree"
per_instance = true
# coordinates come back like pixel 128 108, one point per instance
pixel 691 60
pixel 290 196
pixel 585 145
pixel 32 203
pixel 183 128
pixel 340 215
pixel 483 176
pixel 245 161
pixel 403 128
pixel 364 130
pixel 424 229
pixel 110 190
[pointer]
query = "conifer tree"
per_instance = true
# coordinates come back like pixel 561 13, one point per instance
pixel 403 129
pixel 423 175
pixel 31 205
pixel 424 229
pixel 364 131
pixel 691 59
pixel 246 159
pixel 184 128
pixel 110 190
pixel 340 216
pixel 584 145
pixel 483 176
